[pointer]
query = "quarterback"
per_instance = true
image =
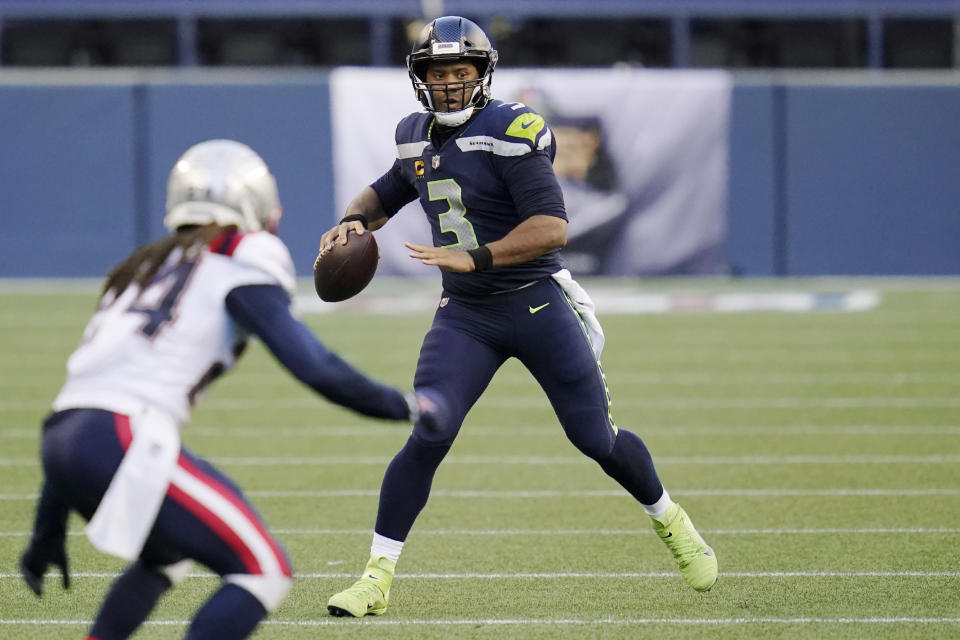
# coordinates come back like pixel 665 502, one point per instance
pixel 482 170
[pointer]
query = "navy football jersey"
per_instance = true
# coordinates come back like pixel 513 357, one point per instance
pixel 495 171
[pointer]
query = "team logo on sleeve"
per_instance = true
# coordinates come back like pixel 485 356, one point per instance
pixel 526 125
pixel 418 168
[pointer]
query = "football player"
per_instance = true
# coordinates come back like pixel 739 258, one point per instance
pixel 482 170
pixel 174 316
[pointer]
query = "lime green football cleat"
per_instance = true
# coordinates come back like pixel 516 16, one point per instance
pixel 369 594
pixel 695 558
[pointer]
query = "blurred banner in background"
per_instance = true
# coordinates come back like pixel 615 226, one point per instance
pixel 642 159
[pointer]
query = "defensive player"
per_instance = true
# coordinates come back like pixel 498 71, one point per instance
pixel 482 170
pixel 173 316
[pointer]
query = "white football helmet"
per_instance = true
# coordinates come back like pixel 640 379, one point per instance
pixel 223 182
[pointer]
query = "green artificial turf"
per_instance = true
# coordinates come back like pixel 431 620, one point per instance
pixel 819 453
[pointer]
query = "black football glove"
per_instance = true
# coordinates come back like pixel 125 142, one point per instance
pixel 48 543
pixel 34 563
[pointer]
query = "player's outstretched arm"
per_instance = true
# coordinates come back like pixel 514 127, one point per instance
pixel 264 311
pixel 531 238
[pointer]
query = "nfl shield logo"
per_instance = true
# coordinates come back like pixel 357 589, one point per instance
pixel 435 162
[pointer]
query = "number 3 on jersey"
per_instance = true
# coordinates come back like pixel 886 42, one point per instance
pixel 454 219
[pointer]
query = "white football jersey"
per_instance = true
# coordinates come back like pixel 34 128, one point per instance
pixel 160 346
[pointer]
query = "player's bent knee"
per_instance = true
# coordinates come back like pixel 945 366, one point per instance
pixel 590 434
pixel 435 422
pixel 594 449
pixel 269 589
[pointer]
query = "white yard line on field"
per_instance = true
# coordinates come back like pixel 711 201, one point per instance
pixel 679 403
pixel 765 378
pixel 583 460
pixel 619 575
pixel 602 493
pixel 455 460
pixel 553 430
pixel 627 532
pixel 485 430
pixel 520 622
pixel 268 494
pixel 654 378
pixel 593 532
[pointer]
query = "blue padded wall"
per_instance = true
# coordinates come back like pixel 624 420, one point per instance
pixel 285 121
pixel 67 179
pixel 874 179
pixel 752 187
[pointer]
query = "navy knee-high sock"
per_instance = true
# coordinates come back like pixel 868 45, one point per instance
pixel 406 487
pixel 232 613
pixel 630 464
pixel 129 602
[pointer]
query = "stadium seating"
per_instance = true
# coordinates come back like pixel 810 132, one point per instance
pixel 650 33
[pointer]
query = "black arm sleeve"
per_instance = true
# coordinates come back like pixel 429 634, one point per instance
pixel 48 543
pixel 393 190
pixel 50 523
pixel 533 186
pixel 264 311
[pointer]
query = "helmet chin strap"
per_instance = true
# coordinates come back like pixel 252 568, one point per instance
pixel 453 118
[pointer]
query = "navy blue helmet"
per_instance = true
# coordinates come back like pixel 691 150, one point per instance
pixel 452 39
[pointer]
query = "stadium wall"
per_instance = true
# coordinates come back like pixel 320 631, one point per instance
pixel 830 174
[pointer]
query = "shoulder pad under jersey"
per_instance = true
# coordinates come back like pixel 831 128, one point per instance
pixel 507 129
pixel 268 253
pixel 410 135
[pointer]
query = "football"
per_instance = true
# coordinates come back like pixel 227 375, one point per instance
pixel 343 271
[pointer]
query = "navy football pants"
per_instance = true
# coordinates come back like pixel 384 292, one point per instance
pixel 469 340
pixel 204 516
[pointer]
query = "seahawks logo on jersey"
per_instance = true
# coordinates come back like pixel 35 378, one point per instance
pixel 528 126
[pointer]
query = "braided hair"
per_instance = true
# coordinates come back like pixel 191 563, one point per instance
pixel 142 265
